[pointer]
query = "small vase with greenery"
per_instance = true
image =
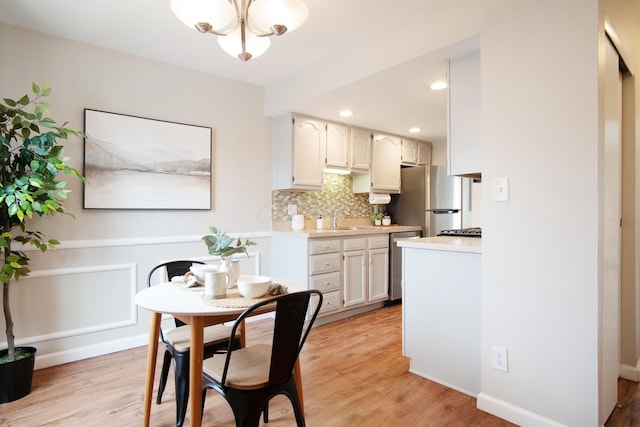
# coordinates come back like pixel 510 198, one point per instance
pixel 31 165
pixel 377 217
pixel 220 244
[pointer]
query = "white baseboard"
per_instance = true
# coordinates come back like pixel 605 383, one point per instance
pixel 73 355
pixel 631 373
pixel 512 413
pixel 444 383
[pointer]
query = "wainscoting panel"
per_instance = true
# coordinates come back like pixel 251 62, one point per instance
pixel 92 299
pixel 78 301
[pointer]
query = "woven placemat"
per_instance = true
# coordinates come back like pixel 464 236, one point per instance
pixel 234 300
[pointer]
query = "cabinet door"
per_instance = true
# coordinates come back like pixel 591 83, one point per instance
pixel 464 142
pixel 360 150
pixel 385 164
pixel 424 153
pixel 355 277
pixel 409 151
pixel 337 146
pixel 309 144
pixel 378 274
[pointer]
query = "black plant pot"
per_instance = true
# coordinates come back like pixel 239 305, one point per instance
pixel 16 376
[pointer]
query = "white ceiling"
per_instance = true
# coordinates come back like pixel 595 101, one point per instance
pixel 391 101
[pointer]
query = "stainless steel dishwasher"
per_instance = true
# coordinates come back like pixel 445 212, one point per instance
pixel 395 267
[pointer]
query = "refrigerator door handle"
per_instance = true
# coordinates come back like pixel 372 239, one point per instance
pixel 443 211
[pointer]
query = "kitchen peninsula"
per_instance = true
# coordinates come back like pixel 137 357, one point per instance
pixel 441 310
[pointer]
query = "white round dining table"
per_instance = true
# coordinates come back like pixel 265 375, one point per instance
pixel 187 305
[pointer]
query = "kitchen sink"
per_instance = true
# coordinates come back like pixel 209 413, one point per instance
pixel 361 227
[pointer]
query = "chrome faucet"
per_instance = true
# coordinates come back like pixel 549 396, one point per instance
pixel 335 219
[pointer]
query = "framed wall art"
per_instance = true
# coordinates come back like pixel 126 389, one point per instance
pixel 137 163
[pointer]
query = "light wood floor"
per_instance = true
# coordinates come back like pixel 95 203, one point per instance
pixel 353 375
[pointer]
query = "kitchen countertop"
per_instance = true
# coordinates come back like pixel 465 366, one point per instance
pixel 444 243
pixel 348 231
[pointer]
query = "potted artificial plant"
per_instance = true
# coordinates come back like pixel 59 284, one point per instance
pixel 377 218
pixel 31 165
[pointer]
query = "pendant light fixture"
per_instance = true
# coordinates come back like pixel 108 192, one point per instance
pixel 243 26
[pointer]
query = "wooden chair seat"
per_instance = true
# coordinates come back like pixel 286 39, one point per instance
pixel 248 369
pixel 180 337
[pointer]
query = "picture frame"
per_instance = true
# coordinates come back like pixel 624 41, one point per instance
pixel 133 162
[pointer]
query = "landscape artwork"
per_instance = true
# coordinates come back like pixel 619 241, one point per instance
pixel 137 163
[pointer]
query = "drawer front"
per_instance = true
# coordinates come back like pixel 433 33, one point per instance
pixel 356 244
pixel 330 303
pixel 325 282
pixel 381 241
pixel 323 246
pixel 328 263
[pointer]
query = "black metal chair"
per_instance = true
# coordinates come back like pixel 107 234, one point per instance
pixel 248 378
pixel 177 342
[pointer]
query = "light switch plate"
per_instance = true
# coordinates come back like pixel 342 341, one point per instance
pixel 292 209
pixel 501 189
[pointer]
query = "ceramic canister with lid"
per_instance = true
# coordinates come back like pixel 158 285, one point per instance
pixel 297 222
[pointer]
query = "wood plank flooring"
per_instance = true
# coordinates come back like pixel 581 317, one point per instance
pixel 353 375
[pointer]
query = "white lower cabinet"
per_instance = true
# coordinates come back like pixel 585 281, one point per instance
pixel 351 272
pixel 378 268
pixel 366 270
pixel 355 271
pixel 324 272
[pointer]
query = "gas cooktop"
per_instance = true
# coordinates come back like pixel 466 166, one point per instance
pixel 463 232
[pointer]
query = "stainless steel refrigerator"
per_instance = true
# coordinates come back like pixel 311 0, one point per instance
pixel 429 198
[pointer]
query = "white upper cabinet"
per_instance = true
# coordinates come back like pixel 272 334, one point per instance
pixel 299 148
pixel 416 153
pixel 409 151
pixel 424 153
pixel 386 153
pixel 337 146
pixel 385 163
pixel 348 148
pixel 464 141
pixel 360 159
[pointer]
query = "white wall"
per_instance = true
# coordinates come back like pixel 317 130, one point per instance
pixel 540 128
pixel 79 300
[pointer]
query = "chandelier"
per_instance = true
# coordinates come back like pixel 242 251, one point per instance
pixel 243 26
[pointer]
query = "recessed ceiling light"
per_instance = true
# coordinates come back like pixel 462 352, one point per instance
pixel 439 85
pixel 415 130
pixel 346 113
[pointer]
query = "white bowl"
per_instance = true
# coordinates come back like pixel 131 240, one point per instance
pixel 253 286
pixel 200 269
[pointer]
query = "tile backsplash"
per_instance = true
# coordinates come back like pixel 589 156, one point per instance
pixel 336 194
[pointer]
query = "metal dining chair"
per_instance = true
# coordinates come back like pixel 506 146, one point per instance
pixel 177 342
pixel 251 376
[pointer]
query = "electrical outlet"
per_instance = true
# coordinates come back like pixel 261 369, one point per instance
pixel 292 210
pixel 499 358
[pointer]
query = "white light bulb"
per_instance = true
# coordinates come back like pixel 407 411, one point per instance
pixel 264 14
pixel 218 13
pixel 232 44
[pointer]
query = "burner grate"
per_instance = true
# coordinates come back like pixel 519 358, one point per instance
pixel 463 232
